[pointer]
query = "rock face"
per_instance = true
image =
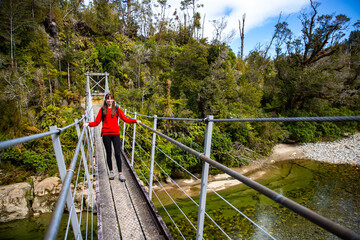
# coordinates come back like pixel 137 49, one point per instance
pixel 21 200
pixel 46 194
pixel 13 201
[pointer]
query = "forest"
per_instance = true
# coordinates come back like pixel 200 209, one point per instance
pixel 162 65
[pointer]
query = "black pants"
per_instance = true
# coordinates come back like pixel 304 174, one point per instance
pixel 115 139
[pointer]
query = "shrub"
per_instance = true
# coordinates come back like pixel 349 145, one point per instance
pixel 303 131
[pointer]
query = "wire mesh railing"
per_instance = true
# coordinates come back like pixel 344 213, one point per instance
pixel 147 152
pixel 81 165
pixel 84 180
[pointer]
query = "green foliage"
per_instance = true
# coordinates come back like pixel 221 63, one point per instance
pixel 110 57
pixel 190 69
pixel 38 162
pixel 303 131
pixel 163 68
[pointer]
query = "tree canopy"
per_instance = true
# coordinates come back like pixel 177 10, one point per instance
pixel 159 63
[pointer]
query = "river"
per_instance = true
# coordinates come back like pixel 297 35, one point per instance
pixel 35 228
pixel 332 190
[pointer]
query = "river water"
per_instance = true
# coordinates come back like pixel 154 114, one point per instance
pixel 328 189
pixel 35 228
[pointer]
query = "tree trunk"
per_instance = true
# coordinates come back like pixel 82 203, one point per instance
pixel 241 30
pixel 68 74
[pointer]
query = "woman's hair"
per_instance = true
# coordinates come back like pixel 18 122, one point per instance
pixel 105 106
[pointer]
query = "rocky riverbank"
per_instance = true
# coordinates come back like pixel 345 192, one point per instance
pixel 21 200
pixel 344 151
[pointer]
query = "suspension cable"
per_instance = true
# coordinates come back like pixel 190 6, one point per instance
pixel 316 218
pixel 290 119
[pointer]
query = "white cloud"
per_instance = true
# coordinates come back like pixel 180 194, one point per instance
pixel 258 12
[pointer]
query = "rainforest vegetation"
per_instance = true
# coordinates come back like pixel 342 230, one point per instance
pixel 163 65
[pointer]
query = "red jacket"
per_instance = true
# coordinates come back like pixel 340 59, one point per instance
pixel 110 125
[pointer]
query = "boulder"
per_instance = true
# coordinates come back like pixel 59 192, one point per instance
pixel 19 201
pixel 46 193
pixel 13 201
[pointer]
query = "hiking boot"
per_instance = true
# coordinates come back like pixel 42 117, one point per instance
pixel 122 178
pixel 111 175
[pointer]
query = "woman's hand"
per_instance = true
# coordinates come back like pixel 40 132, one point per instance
pixel 138 121
pixel 85 124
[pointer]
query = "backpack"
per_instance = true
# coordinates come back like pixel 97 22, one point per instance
pixel 117 113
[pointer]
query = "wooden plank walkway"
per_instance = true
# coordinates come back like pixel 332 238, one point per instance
pixel 124 210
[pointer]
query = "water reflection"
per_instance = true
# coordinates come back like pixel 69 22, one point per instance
pixel 35 228
pixel 330 190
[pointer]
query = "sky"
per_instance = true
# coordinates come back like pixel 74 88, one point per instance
pixel 262 16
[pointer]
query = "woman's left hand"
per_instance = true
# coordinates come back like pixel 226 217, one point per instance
pixel 138 121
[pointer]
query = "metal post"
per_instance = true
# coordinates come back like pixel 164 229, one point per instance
pixel 89 102
pixel 91 191
pixel 133 144
pixel 62 170
pixel 106 84
pixel 152 157
pixel 123 134
pixel 90 150
pixel 204 179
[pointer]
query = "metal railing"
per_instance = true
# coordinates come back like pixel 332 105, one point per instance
pixel 66 174
pixel 84 151
pixel 141 163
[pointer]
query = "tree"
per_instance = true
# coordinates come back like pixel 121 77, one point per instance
pixel 281 34
pixel 146 27
pixel 191 68
pixel 242 35
pixel 129 14
pixel 192 21
pixel 13 17
pixel 218 90
pixel 105 20
pixel 219 35
pixel 321 34
pixel 16 90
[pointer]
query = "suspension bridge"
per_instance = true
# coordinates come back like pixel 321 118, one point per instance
pixel 125 210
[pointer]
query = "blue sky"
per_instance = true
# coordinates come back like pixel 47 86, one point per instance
pixel 262 34
pixel 262 15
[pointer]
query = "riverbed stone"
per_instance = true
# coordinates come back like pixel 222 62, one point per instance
pixel 83 194
pixel 46 193
pixel 13 201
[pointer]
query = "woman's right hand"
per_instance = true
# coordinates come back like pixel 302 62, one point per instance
pixel 85 124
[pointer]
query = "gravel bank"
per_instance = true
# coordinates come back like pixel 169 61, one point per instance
pixel 344 151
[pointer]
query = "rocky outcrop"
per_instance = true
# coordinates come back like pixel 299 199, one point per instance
pixel 13 201
pixel 46 194
pixel 21 200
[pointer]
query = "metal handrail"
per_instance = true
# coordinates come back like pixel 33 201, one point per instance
pixel 291 119
pixel 59 208
pixel 54 224
pixel 284 119
pixel 316 218
pixel 16 141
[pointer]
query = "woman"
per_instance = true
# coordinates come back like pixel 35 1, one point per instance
pixel 110 132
